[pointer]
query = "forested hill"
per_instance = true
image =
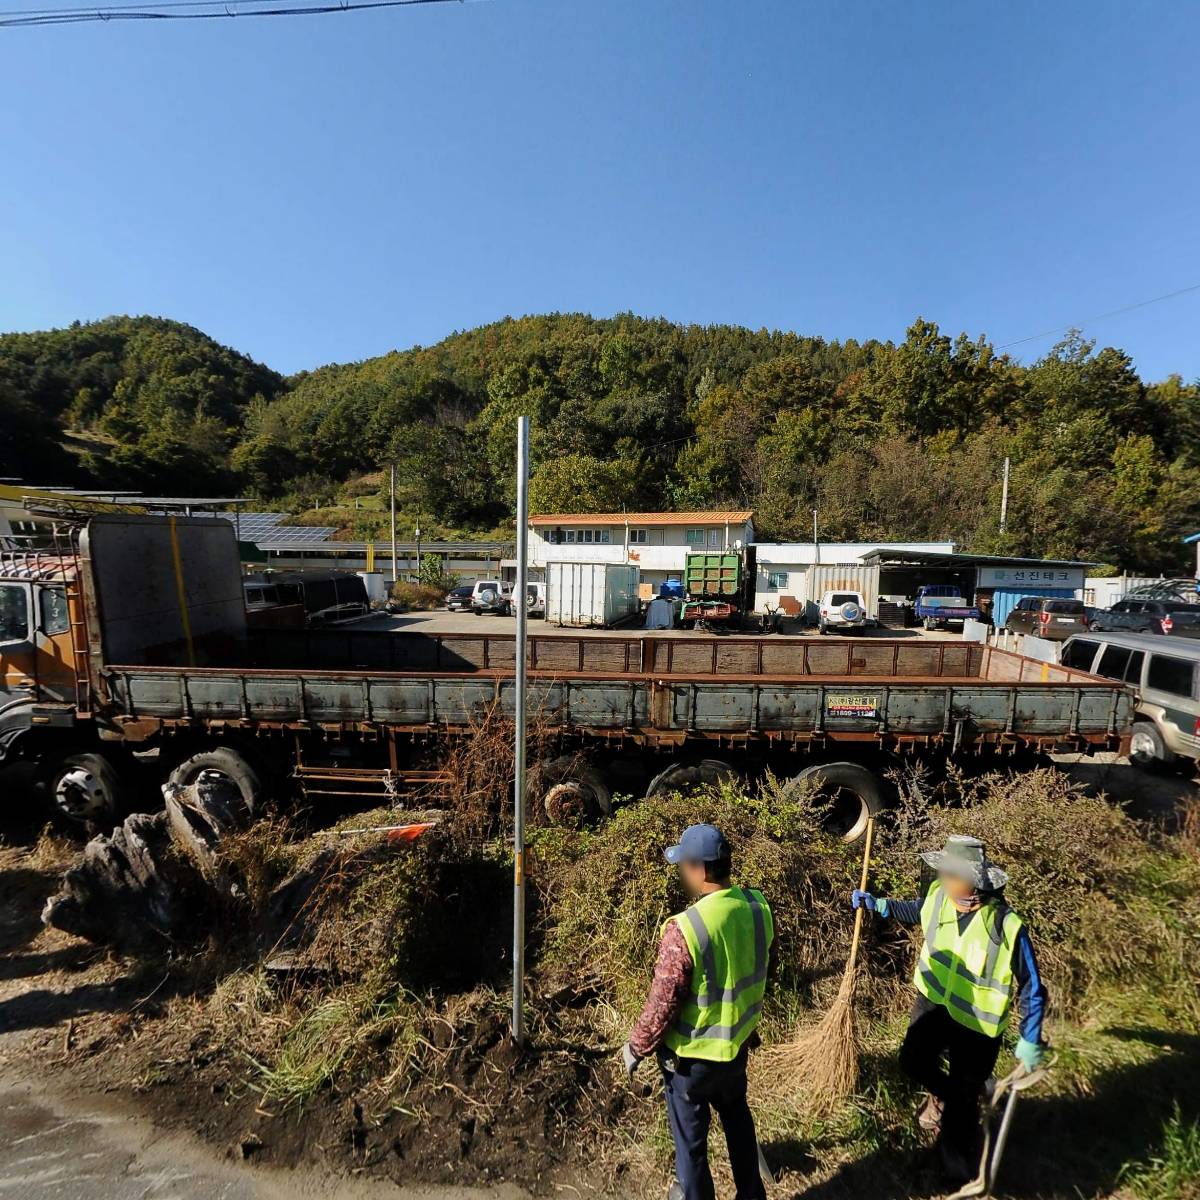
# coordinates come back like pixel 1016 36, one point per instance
pixel 886 441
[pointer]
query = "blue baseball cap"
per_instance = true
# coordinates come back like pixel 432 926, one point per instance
pixel 700 843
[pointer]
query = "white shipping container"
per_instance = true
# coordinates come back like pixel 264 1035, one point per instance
pixel 591 593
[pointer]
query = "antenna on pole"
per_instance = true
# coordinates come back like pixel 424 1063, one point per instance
pixel 520 599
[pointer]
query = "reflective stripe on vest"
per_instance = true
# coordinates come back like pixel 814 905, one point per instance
pixel 729 973
pixel 970 973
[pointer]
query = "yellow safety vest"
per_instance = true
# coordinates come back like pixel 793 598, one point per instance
pixel 971 973
pixel 729 935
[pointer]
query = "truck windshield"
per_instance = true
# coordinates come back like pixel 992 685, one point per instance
pixel 14 613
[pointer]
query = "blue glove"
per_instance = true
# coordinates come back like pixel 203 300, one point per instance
pixel 1030 1055
pixel 875 904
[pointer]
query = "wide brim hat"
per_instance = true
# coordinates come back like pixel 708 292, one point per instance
pixel 966 858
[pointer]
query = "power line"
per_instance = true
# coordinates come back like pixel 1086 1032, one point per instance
pixel 1116 312
pixel 169 11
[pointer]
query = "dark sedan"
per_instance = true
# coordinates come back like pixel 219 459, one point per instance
pixel 459 599
pixel 1136 615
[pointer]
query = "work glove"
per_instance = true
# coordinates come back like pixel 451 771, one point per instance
pixel 1030 1055
pixel 630 1060
pixel 875 904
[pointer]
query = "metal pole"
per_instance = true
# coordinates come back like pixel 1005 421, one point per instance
pixel 1004 500
pixel 519 598
pixel 395 569
pixel 816 548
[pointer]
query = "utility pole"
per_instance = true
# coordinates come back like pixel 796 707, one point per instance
pixel 418 533
pixel 395 572
pixel 519 598
pixel 1004 499
pixel 816 546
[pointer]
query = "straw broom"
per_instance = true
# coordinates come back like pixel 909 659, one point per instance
pixel 822 1060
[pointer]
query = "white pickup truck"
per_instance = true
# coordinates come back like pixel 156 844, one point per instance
pixel 844 611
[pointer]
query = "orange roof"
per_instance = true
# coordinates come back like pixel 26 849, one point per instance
pixel 736 517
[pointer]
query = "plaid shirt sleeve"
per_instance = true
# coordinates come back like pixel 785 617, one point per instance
pixel 672 982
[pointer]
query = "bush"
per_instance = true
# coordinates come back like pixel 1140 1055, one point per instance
pixel 417 595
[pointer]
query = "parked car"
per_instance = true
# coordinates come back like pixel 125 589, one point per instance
pixel 941 604
pixel 1165 677
pixel 491 596
pixel 1048 617
pixel 1136 615
pixel 458 599
pixel 844 611
pixel 535 599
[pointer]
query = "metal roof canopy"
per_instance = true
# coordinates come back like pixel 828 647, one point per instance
pixel 383 547
pixel 928 558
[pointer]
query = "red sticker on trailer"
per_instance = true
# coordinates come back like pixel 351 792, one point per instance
pixel 852 706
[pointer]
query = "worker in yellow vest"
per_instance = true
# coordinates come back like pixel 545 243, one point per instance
pixel 703 1009
pixel 976 955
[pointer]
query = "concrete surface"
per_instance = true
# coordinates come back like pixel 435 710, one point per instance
pixel 68 1148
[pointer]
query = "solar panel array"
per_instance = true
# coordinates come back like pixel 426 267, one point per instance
pixel 258 527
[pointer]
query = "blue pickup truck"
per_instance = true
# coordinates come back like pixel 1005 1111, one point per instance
pixel 942 604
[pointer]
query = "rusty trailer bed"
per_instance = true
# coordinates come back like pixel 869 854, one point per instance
pixel 645 688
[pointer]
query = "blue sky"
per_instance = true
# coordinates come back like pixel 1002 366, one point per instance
pixel 328 188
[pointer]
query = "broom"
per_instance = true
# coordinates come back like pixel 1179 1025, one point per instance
pixel 822 1059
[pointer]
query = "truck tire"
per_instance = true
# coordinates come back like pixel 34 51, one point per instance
pixel 570 792
pixel 683 777
pixel 855 796
pixel 929 623
pixel 86 790
pixel 1146 748
pixel 226 763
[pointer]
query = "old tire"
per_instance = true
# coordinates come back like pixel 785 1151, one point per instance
pixel 226 763
pixel 86 790
pixel 570 792
pixel 855 796
pixel 1147 749
pixel 683 777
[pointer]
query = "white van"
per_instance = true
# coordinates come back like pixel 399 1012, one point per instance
pixel 1164 674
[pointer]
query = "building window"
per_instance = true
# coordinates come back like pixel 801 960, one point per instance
pixel 695 537
pixel 570 535
pixel 776 580
pixel 585 535
pixel 638 537
pixel 604 536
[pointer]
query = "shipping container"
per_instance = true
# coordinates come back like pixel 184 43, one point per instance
pixel 591 594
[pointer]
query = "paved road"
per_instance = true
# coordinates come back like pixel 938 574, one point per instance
pixel 62 1148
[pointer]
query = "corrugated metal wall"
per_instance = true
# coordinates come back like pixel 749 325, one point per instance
pixel 848 577
pixel 1004 600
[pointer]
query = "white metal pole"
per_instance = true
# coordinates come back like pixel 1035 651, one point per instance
pixel 816 547
pixel 1004 500
pixel 395 568
pixel 520 600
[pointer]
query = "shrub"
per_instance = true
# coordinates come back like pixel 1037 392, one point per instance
pixel 417 595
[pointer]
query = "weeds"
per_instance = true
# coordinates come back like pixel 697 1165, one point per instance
pixel 1173 1173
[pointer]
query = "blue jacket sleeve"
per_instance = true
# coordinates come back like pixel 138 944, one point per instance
pixel 906 912
pixel 1031 992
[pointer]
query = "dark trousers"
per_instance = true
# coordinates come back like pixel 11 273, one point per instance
pixel 934 1037
pixel 694 1089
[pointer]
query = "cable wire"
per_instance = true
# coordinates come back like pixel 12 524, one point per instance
pixel 168 11
pixel 1116 312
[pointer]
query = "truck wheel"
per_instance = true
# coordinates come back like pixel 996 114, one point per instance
pixel 571 792
pixel 853 793
pixel 1146 748
pixel 683 777
pixel 929 623
pixel 86 789
pixel 821 630
pixel 223 762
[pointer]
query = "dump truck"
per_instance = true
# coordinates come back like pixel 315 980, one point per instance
pixel 127 645
pixel 718 588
